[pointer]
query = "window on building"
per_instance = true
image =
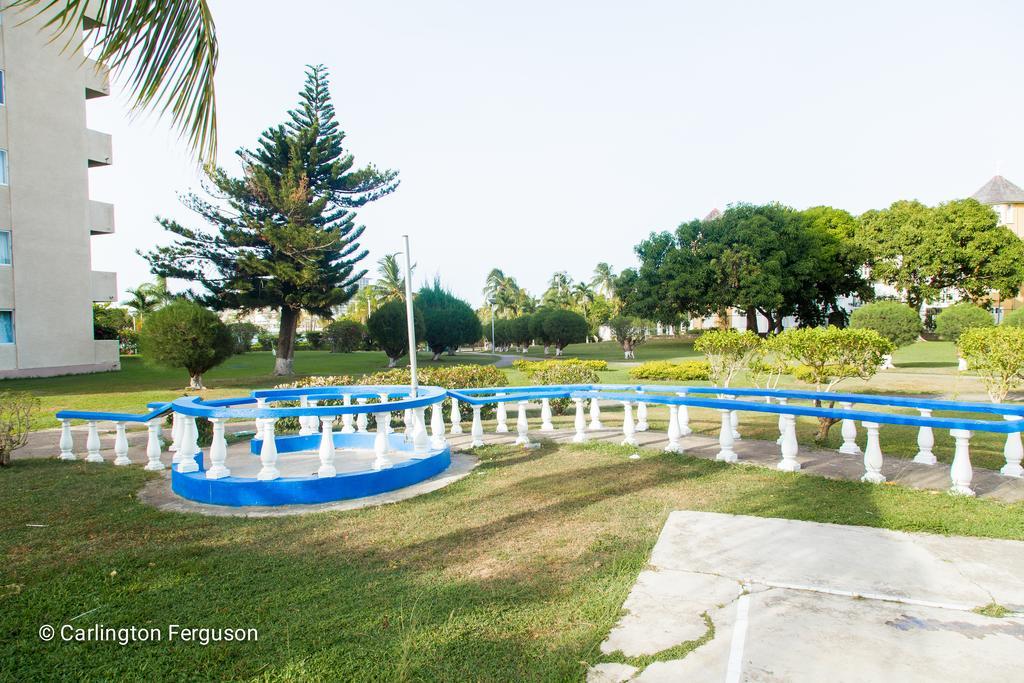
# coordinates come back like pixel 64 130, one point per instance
pixel 6 255
pixel 6 327
pixel 3 166
pixel 3 88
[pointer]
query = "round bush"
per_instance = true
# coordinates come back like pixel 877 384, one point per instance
pixel 1015 318
pixel 951 322
pixel 183 334
pixel 896 322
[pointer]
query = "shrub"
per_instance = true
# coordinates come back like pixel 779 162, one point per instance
pixel 532 367
pixel 687 371
pixel 315 339
pixel 997 355
pixel 558 327
pixel 387 329
pixel 449 321
pixel 108 321
pixel 243 335
pixel 565 372
pixel 266 341
pixel 16 409
pixel 1015 318
pixel 183 334
pixel 128 340
pixel 727 352
pixel 204 428
pixel 520 331
pixel 897 322
pixel 951 322
pixel 344 336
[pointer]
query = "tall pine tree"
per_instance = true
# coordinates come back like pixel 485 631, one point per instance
pixel 283 235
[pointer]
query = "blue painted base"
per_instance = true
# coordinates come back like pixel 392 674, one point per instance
pixel 242 491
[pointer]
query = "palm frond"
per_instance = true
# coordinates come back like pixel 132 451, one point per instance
pixel 166 50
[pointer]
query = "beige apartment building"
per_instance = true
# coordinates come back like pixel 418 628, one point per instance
pixel 47 220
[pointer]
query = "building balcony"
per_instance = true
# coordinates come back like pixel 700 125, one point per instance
pixel 101 218
pixel 97 79
pixel 99 147
pixel 104 285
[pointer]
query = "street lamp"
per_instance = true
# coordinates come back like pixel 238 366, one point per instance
pixel 494 349
pixel 410 322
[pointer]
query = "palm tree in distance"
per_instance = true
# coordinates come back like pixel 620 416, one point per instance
pixel 390 284
pixel 165 49
pixel 604 280
pixel 141 301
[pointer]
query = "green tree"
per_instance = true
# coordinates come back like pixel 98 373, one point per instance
pixel 449 321
pixel 826 356
pixel 768 260
pixel 141 302
pixel 629 333
pixel 108 321
pixel 287 238
pixel 390 284
pixel 167 52
pixel 960 245
pixel 186 335
pixel 951 322
pixel 521 331
pixel 388 330
pixel 897 322
pixel 559 293
pixel 344 336
pixel 244 334
pixel 1015 318
pixel 603 280
pixel 562 327
pixel 727 352
pixel 996 354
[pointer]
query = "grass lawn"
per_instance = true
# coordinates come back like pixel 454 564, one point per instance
pixel 654 349
pixel 138 383
pixel 515 573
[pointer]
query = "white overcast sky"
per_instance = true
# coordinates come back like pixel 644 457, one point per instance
pixel 543 136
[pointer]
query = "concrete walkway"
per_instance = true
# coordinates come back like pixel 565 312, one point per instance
pixel 831 464
pixel 784 600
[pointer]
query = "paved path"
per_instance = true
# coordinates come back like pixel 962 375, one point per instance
pixel 987 483
pixel 785 600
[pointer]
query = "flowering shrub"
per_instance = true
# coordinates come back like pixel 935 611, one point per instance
pixel 564 372
pixel 530 368
pixel 687 371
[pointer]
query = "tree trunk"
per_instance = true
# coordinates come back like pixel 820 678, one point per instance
pixel 284 362
pixel 392 362
pixel 196 381
pixel 824 424
pixel 437 355
pixel 752 320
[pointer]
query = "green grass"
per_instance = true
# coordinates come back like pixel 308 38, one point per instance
pixel 138 383
pixel 516 572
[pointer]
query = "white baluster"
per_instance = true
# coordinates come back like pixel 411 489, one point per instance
pixel 725 439
pixel 326 452
pixel 522 426
pixel 628 430
pixel 92 443
pixel 176 424
pixel 189 445
pixel 502 427
pixel 734 422
pixel 782 422
pixel 580 423
pixel 545 416
pixel 153 463
pixel 872 455
pixel 268 452
pixel 477 431
pixel 407 424
pixel 380 441
pixel 361 419
pixel 67 443
pixel 1012 451
pixel 789 446
pixel 437 440
pixel 304 429
pixel 925 442
pixel 313 421
pixel 961 472
pixel 456 418
pixel 420 440
pixel 684 417
pixel 121 445
pixel 595 414
pixel 218 451
pixel 641 415
pixel 388 429
pixel 346 420
pixel 673 430
pixel 849 434
pixel 261 404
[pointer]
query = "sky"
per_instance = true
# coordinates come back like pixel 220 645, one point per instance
pixel 541 136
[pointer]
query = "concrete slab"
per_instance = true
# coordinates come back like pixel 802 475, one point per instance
pixel 610 673
pixel 824 602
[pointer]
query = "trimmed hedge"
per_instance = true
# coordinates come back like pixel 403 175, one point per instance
pixel 531 368
pixel 687 371
pixel 564 373
pixel 951 322
pixel 897 322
